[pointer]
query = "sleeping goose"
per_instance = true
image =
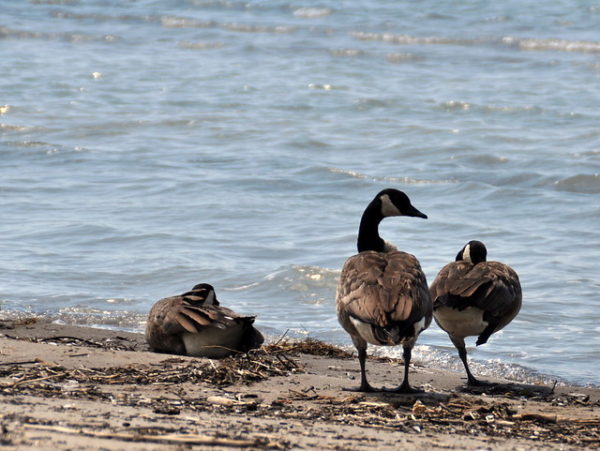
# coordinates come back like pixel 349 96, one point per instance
pixel 382 296
pixel 472 296
pixel 195 324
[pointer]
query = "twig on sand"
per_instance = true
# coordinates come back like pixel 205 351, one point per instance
pixel 25 362
pixel 190 439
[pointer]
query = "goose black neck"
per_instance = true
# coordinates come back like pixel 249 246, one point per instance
pixel 368 232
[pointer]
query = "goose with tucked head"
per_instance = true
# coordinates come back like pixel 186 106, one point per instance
pixel 474 297
pixel 382 296
pixel 195 324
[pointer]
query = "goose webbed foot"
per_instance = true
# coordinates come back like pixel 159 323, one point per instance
pixel 473 382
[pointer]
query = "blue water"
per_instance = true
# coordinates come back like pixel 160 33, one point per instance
pixel 147 146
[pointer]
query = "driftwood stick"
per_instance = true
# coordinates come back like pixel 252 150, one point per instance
pixel 25 362
pixel 282 337
pixel 547 418
pixel 38 379
pixel 67 337
pixel 191 439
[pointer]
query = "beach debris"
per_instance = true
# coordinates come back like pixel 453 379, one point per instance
pixel 182 439
pixel 185 385
pixel 253 366
pixel 228 402
pixel 309 346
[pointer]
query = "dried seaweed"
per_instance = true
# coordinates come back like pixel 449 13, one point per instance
pixel 501 412
pixel 309 346
pixel 243 368
pixel 459 414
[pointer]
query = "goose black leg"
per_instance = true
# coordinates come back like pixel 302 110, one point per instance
pixel 405 386
pixel 364 385
pixel 471 380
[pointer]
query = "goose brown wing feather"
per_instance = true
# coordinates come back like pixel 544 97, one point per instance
pixel 165 317
pixel 451 280
pixel 185 323
pixel 380 288
pixel 198 316
pixel 211 315
pixel 175 316
pixel 491 286
pixel 503 295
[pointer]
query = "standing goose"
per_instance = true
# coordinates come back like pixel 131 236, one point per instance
pixel 382 296
pixel 472 296
pixel 195 324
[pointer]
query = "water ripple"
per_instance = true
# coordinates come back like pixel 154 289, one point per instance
pixel 390 179
pixel 581 183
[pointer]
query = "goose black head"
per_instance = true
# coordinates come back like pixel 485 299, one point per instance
pixel 396 203
pixel 203 294
pixel 474 252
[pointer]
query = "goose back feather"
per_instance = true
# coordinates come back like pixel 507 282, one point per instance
pixel 388 293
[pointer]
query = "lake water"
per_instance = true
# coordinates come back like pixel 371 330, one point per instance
pixel 147 146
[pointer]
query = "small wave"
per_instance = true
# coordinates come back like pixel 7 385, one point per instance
pixel 447 360
pixel 532 44
pixel 185 22
pixel 93 317
pixel 38 147
pixel 560 45
pixel 313 284
pixel 103 17
pixel 488 160
pixel 312 275
pixel 250 28
pixel 589 153
pixel 404 180
pixel 347 52
pixel 456 105
pixel 582 183
pixel 234 5
pixel 241 287
pixel 200 45
pixel 324 86
pixel 10 33
pixel 412 40
pixel 398 58
pixel 54 2
pixel 87 317
pixel 459 105
pixel 18 128
pixel 311 13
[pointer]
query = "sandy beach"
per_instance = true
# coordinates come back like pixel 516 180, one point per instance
pixel 66 387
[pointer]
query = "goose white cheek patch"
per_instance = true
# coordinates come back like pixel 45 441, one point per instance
pixel 467 253
pixel 387 207
pixel 210 299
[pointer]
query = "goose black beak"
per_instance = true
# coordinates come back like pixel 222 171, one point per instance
pixel 412 211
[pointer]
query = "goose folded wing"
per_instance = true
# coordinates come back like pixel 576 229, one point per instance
pixel 503 291
pixel 176 316
pixel 208 316
pixel 453 279
pixel 484 286
pixel 381 288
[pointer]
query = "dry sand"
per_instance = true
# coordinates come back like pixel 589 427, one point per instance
pixel 65 387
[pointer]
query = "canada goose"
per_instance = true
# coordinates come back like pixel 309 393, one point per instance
pixel 382 296
pixel 472 296
pixel 194 323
